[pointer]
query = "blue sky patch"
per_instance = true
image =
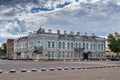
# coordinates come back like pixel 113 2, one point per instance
pixel 77 0
pixel 35 10
pixel 63 5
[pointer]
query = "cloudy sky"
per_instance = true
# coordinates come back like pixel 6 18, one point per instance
pixel 19 17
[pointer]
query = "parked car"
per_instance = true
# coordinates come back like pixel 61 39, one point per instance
pixel 3 57
pixel 10 58
pixel 115 59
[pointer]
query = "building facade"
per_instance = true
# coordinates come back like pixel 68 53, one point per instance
pixel 48 45
pixel 10 47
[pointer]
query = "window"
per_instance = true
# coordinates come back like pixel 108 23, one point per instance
pixel 63 55
pixel 94 46
pixel 19 46
pixel 79 45
pixel 53 45
pixel 68 45
pixel 98 55
pixel 84 45
pixel 75 55
pixel 48 44
pixel 79 55
pixel 52 54
pixel 68 55
pixel 59 54
pixel 76 45
pixel 71 45
pixel 99 46
pixel 63 45
pixel 87 46
pixel 102 47
pixel 39 43
pixel 25 45
pixel 15 47
pixel 30 44
pixel 91 46
pixel 71 54
pixel 33 55
pixel 49 54
pixel 59 45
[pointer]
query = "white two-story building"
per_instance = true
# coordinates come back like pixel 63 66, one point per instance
pixel 48 45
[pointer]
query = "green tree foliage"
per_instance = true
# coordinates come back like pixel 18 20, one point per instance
pixel 114 42
pixel 4 46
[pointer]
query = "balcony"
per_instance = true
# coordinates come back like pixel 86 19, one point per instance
pixel 38 48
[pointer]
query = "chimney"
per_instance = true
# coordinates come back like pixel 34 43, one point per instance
pixel 58 31
pixel 93 34
pixel 86 34
pixel 43 30
pixel 65 32
pixel 49 30
pixel 78 33
pixel 30 33
pixel 71 33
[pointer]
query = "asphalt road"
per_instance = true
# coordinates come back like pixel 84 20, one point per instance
pixel 85 74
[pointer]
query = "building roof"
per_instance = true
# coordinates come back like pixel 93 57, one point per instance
pixel 62 35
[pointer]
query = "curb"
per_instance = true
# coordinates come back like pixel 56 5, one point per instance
pixel 0 71
pixel 12 70
pixel 23 70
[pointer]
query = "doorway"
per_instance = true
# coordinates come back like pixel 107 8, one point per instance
pixel 85 56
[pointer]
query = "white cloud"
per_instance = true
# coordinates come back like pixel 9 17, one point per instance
pixel 98 16
pixel 11 36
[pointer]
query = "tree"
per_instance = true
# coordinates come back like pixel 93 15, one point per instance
pixel 114 42
pixel 4 46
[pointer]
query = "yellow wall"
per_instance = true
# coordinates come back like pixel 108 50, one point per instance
pixel 109 53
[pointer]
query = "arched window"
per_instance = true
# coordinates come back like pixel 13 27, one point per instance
pixel 71 45
pixel 87 46
pixel 39 43
pixel 68 45
pixel 76 45
pixel 84 45
pixel 91 46
pixel 63 45
pixel 94 46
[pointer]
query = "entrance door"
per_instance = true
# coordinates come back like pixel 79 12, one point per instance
pixel 85 56
pixel 38 56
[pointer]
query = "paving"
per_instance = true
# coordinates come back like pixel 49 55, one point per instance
pixel 7 65
pixel 84 74
pixel 59 70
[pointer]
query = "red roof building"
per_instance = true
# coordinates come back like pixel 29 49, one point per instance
pixel 10 47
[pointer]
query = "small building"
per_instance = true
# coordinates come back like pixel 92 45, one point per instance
pixel 10 47
pixel 49 45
